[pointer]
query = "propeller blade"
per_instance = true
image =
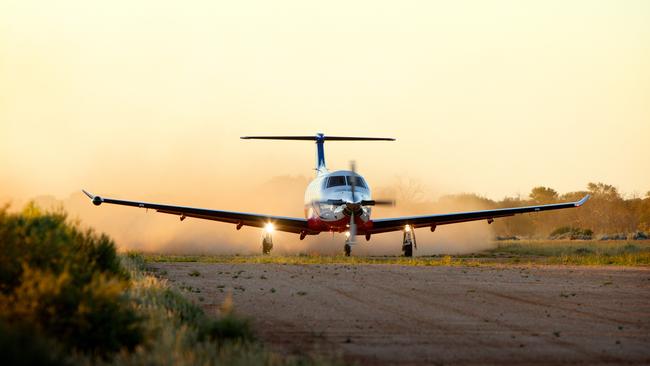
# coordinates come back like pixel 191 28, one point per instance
pixel 330 202
pixel 353 229
pixel 362 203
pixel 378 203
pixel 384 202
pixel 353 181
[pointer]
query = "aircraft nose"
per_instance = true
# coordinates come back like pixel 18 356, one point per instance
pixel 347 197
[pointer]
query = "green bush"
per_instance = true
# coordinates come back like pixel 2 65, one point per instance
pixel 64 283
pixel 226 328
pixel 569 232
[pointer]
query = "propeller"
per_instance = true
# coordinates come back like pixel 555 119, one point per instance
pixel 353 185
pixel 355 205
pixel 362 203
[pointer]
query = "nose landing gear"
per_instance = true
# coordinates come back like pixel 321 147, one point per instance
pixel 347 248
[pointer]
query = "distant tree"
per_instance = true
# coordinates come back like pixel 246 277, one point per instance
pixel 518 225
pixel 542 195
pixel 577 218
pixel 604 191
pixel 608 212
pixel 409 190
pixel 643 214
pixel 544 222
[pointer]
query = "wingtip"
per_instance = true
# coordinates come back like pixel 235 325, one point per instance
pixel 96 199
pixel 583 200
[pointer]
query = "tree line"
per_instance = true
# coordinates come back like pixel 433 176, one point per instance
pixel 606 213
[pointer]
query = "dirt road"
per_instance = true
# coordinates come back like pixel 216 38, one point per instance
pixel 387 314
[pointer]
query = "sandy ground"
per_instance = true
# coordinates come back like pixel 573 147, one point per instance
pixel 388 314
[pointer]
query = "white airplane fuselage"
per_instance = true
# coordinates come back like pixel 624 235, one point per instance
pixel 334 215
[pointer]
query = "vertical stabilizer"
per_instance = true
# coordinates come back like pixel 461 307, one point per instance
pixel 320 154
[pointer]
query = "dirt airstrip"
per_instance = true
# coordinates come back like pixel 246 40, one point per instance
pixel 389 314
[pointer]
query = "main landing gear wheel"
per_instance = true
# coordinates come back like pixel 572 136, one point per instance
pixel 347 249
pixel 408 241
pixel 408 250
pixel 266 248
pixel 267 244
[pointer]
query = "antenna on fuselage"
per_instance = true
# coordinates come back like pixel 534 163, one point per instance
pixel 320 141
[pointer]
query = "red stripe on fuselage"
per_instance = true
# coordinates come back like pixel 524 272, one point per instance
pixel 339 226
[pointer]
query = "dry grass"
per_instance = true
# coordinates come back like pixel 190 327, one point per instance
pixel 576 252
pixel 177 334
pixel 312 259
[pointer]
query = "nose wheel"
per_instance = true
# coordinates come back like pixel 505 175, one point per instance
pixel 347 249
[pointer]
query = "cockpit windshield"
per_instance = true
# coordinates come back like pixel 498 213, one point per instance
pixel 335 181
pixel 359 182
pixel 340 180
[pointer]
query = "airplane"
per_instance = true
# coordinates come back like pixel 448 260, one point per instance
pixel 336 202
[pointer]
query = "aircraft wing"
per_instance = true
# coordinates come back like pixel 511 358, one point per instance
pixel 398 223
pixel 280 223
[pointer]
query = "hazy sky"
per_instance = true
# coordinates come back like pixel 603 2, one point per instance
pixel 147 99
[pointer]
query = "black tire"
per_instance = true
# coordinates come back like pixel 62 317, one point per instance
pixel 347 249
pixel 408 250
pixel 266 248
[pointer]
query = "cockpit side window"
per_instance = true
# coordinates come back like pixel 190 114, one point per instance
pixel 359 181
pixel 335 181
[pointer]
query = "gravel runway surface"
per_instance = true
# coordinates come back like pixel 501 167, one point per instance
pixel 389 314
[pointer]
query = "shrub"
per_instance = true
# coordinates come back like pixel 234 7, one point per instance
pixel 561 231
pixel 226 328
pixel 568 232
pixel 64 283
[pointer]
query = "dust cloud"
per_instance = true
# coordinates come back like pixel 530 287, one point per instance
pixel 148 231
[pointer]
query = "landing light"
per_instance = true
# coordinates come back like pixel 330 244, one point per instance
pixel 347 234
pixel 407 228
pixel 269 228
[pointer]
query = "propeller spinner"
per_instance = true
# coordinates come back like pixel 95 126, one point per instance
pixel 355 205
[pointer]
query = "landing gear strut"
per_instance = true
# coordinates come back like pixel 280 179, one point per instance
pixel 408 241
pixel 267 243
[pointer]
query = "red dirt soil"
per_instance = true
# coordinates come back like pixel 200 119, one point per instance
pixel 389 314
